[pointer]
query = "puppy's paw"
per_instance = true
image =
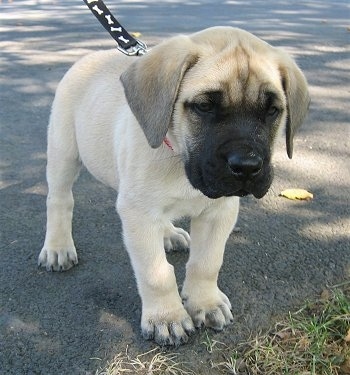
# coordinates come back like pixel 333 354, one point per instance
pixel 171 328
pixel 176 239
pixel 211 310
pixel 58 259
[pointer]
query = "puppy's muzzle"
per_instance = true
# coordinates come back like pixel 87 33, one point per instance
pixel 239 169
pixel 248 172
pixel 245 166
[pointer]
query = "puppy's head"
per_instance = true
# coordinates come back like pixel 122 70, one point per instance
pixel 223 94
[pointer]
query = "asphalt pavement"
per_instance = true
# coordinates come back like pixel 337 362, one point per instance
pixel 284 251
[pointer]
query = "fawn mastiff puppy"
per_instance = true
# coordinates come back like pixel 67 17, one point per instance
pixel 187 130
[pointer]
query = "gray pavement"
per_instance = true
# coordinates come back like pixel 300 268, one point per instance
pixel 285 251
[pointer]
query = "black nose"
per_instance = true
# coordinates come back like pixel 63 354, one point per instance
pixel 245 166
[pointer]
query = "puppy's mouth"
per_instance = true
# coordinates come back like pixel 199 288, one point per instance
pixel 215 194
pixel 241 193
pixel 215 187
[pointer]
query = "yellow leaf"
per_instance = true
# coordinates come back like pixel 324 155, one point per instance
pixel 135 34
pixel 295 194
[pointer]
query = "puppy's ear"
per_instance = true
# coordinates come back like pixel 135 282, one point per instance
pixel 297 94
pixel 151 85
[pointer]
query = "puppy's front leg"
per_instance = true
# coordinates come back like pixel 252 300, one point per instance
pixel 164 318
pixel 203 300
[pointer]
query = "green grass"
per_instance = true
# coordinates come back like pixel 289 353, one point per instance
pixel 315 340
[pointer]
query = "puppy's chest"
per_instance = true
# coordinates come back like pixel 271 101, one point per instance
pixel 187 207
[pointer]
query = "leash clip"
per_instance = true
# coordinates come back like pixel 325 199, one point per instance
pixel 140 48
pixel 125 42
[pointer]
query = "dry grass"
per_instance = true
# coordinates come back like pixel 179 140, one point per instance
pixel 153 362
pixel 312 341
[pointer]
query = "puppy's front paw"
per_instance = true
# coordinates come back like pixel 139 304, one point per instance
pixel 176 239
pixel 58 259
pixel 212 310
pixel 167 328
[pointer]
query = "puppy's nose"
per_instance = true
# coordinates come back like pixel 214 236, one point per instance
pixel 245 166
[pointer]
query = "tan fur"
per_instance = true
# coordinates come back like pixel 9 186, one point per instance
pixel 119 139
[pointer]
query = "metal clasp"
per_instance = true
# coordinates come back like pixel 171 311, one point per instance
pixel 139 49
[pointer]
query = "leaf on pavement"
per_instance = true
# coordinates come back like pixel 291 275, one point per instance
pixel 297 194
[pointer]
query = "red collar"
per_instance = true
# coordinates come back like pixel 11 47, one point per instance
pixel 167 142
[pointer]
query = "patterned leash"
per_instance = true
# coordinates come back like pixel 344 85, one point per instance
pixel 125 42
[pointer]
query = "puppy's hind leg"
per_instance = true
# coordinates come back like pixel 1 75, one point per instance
pixel 63 166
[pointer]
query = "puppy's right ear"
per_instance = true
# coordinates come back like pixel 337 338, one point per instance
pixel 151 85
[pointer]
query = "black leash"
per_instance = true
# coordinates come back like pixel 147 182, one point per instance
pixel 125 42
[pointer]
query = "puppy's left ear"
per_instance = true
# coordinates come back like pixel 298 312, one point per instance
pixel 298 99
pixel 152 82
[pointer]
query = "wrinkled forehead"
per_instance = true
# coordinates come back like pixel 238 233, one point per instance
pixel 239 73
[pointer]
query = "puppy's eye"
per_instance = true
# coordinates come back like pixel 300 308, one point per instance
pixel 273 112
pixel 203 107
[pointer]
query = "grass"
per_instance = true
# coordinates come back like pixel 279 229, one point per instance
pixel 312 341
pixel 315 340
pixel 153 362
